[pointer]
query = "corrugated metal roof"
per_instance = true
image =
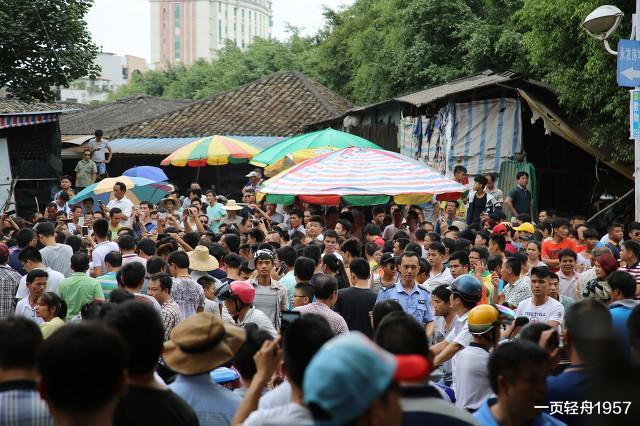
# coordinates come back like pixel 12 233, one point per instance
pixel 165 146
pixel 432 94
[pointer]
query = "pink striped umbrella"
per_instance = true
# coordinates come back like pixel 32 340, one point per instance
pixel 357 171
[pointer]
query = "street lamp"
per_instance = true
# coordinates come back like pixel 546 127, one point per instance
pixel 603 22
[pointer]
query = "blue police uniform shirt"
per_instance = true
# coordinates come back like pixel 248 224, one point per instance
pixel 416 303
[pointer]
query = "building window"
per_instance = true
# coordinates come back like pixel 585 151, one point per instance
pixel 219 6
pixel 235 28
pixel 242 12
pixel 177 48
pixel 176 14
pixel 219 30
pixel 235 11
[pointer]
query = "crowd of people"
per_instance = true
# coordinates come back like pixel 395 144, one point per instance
pixel 204 310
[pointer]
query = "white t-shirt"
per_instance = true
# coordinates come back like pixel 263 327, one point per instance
pixel 99 253
pixel 443 278
pixel 459 334
pixel 551 310
pixel 290 414
pixel 151 300
pixel 472 387
pixel 24 309
pixel 276 397
pixel 584 260
pixel 128 258
pixel 100 148
pixel 125 204
pixel 53 281
pixel 257 317
pixel 58 257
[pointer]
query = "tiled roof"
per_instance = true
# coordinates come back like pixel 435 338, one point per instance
pixel 16 106
pixel 116 114
pixel 277 105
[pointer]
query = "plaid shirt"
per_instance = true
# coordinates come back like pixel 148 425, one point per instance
pixel 336 322
pixel 517 292
pixel 9 282
pixel 170 316
pixel 20 404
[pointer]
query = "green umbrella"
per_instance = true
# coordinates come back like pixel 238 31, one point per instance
pixel 317 139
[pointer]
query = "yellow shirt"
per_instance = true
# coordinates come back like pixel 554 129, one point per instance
pixel 113 232
pixel 48 328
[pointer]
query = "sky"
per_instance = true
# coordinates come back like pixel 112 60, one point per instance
pixel 122 26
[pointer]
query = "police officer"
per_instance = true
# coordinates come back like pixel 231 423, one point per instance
pixel 414 298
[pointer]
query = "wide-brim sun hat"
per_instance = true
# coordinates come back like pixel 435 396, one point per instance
pixel 201 260
pixel 232 205
pixel 163 203
pixel 202 342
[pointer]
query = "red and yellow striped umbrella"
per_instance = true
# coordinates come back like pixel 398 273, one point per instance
pixel 211 151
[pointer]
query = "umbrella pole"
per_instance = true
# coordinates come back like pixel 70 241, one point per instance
pixel 217 180
pixel 198 175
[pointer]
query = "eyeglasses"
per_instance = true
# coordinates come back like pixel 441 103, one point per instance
pixel 297 295
pixel 86 155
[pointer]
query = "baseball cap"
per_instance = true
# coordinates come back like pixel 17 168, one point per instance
pixel 387 258
pixel 500 229
pixel 363 371
pixel 525 227
pixel 253 174
pixel 262 254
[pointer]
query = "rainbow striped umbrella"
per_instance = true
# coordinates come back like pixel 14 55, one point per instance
pixel 138 189
pixel 211 151
pixel 358 176
pixel 294 158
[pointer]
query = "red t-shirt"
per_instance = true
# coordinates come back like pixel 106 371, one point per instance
pixel 551 249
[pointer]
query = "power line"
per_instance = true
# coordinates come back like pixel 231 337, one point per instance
pixel 46 33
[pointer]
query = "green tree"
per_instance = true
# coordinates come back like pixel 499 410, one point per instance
pixel 232 68
pixel 377 49
pixel 580 70
pixel 44 43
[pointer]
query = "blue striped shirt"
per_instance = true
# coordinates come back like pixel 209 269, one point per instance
pixel 21 405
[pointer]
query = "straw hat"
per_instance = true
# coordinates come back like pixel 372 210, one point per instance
pixel 202 342
pixel 163 203
pixel 201 260
pixel 232 205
